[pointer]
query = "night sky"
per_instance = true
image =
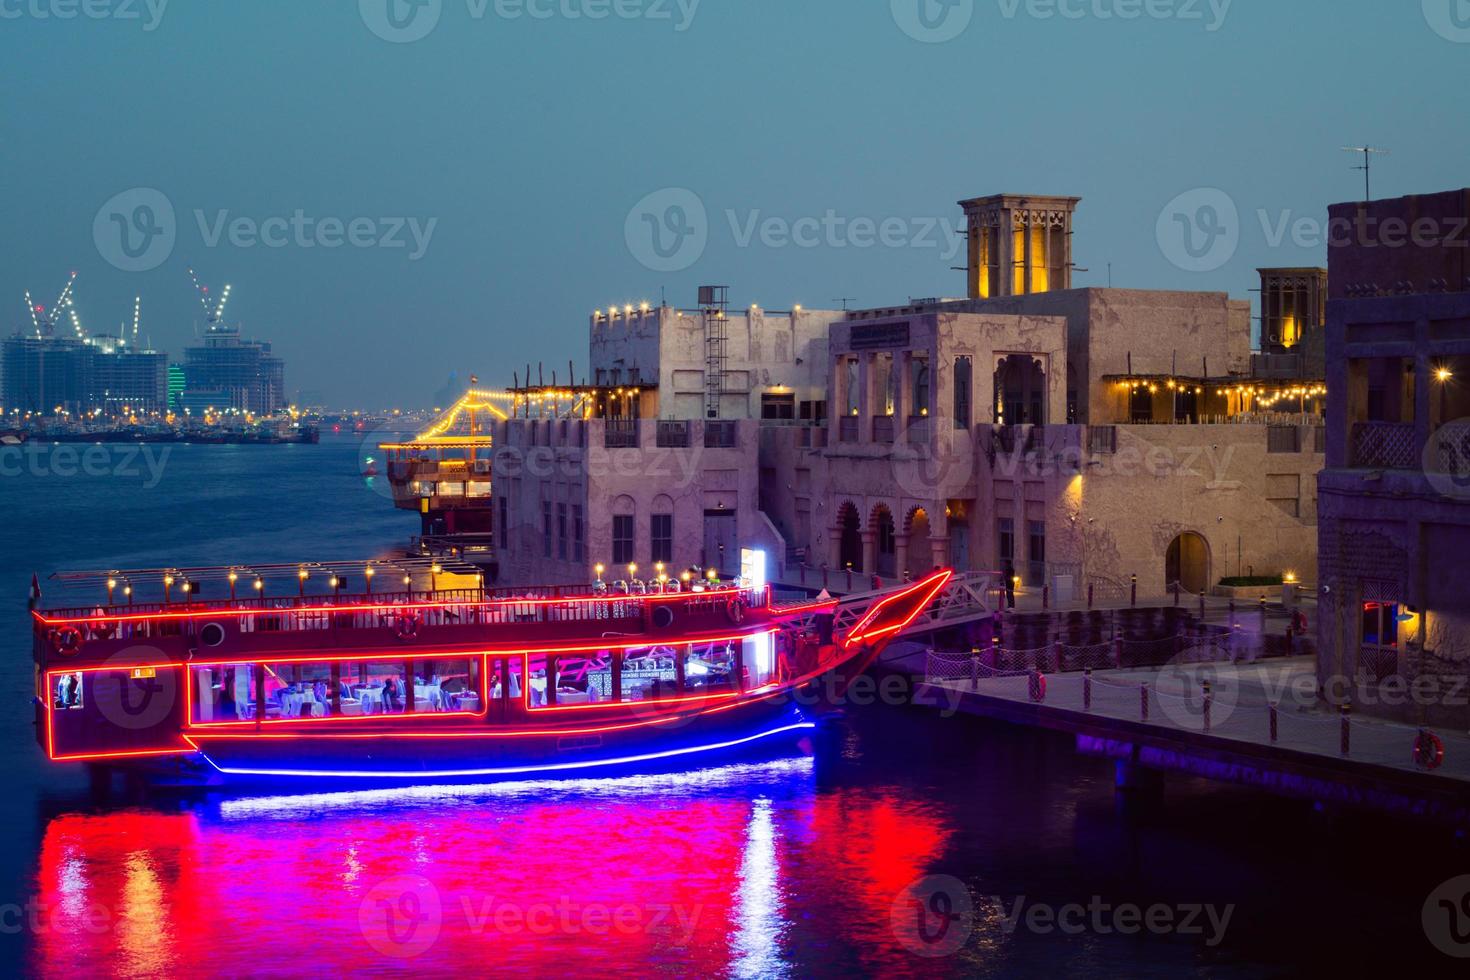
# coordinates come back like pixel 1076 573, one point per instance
pixel 518 147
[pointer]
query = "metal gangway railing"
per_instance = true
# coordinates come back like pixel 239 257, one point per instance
pixel 965 598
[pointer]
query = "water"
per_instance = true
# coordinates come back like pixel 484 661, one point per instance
pixel 794 867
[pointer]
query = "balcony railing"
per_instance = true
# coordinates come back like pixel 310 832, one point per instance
pixel 847 429
pixel 1385 445
pixel 883 428
pixel 620 434
pixel 1102 439
pixel 1010 439
pixel 673 435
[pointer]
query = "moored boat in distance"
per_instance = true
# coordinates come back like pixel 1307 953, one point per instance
pixel 438 684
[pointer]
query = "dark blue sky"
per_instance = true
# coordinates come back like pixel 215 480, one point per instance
pixel 529 140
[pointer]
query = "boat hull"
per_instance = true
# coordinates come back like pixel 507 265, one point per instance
pixel 758 729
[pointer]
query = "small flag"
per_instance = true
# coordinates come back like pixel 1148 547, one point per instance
pixel 35 590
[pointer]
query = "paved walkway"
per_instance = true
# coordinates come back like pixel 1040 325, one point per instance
pixel 1240 712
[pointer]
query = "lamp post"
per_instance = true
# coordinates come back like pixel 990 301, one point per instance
pixel 336 587
pixel 111 584
pixel 367 574
pixel 301 576
pixel 259 587
pixel 658 568
pixel 434 571
pixel 597 570
pixel 168 584
pixel 233 579
pixel 186 587
pixel 128 592
pixel 408 584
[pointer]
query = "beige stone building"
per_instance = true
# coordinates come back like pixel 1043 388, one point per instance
pixel 1076 436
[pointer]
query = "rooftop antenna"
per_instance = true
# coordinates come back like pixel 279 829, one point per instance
pixel 844 300
pixel 1369 152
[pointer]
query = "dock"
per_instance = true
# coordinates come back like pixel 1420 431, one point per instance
pixel 1257 723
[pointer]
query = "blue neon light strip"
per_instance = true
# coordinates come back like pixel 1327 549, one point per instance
pixel 507 771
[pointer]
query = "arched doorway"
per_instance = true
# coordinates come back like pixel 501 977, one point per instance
pixel 921 555
pixel 887 542
pixel 850 551
pixel 1188 563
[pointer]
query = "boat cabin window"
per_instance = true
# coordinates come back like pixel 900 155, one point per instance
pixel 66 691
pixel 759 659
pixel 222 693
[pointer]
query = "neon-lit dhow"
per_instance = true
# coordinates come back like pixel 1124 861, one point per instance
pixel 480 687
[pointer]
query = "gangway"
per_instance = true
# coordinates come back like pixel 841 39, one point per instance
pixel 965 597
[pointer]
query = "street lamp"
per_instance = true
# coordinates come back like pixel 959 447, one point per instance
pixel 301 576
pixel 168 583
pixel 597 570
pixel 111 584
pixel 434 571
pixel 367 573
pixel 259 586
pixel 128 592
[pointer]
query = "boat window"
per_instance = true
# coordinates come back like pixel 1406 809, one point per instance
pixel 648 673
pixel 710 668
pixel 584 678
pixel 298 690
pixel 66 692
pixel 447 685
pixel 759 658
pixel 223 693
pixel 375 688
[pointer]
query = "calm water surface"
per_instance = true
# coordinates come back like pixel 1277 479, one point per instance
pixel 788 867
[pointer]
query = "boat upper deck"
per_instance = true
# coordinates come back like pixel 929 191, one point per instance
pixel 432 620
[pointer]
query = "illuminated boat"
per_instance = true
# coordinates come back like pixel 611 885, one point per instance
pixel 443 685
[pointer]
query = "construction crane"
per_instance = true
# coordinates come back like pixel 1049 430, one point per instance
pixel 213 314
pixel 137 316
pixel 45 321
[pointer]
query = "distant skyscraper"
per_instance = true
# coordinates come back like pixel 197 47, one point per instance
pixel 80 375
pixel 233 373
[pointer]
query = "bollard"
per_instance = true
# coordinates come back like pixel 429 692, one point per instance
pixel 975 669
pixel 1290 644
pixel 1089 595
pixel 1087 689
pixel 1263 620
pixel 1231 622
pixel 1046 597
pixel 1209 700
pixel 1347 729
pixel 1143 702
pixel 1176 593
pixel 1134 600
pixel 1202 608
pixel 1118 650
pixel 1275 722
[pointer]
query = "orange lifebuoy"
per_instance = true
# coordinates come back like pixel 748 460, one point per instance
pixel 406 627
pixel 1037 687
pixel 735 612
pixel 66 641
pixel 1428 751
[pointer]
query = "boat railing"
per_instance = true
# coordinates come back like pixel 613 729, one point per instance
pixel 401 611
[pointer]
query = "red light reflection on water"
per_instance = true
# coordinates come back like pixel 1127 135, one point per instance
pixel 689 882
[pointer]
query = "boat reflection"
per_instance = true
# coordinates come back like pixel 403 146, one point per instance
pixel 719 872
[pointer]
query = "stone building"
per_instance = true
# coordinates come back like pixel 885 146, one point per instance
pixel 1394 614
pixel 1076 436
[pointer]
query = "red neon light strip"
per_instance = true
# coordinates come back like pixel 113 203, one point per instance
pixel 930 587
